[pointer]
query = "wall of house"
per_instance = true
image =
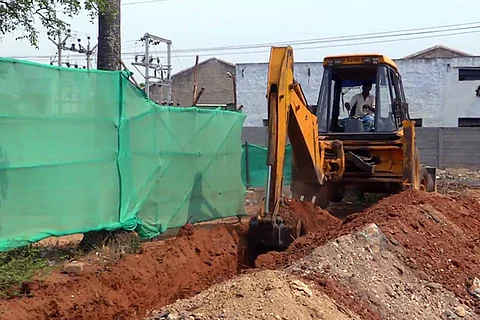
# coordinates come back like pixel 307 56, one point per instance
pixel 212 76
pixel 431 86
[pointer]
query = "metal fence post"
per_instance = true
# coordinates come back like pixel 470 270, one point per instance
pixel 440 149
pixel 247 167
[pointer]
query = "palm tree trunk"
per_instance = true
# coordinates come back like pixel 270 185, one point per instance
pixel 108 58
pixel 109 39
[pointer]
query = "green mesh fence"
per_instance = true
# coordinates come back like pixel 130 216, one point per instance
pixel 85 150
pixel 254 166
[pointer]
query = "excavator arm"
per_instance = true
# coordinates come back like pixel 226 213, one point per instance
pixel 289 116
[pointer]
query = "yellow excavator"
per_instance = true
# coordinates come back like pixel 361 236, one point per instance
pixel 334 146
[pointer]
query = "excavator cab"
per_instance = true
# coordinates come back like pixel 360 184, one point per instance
pixel 343 78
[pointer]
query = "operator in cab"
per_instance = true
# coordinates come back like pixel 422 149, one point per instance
pixel 362 106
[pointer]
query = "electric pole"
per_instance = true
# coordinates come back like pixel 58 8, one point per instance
pixel 162 73
pixel 59 43
pixel 88 51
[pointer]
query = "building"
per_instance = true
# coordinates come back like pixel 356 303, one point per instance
pixel 440 85
pixel 212 75
pixel 438 51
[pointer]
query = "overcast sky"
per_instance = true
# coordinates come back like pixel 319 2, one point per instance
pixel 217 23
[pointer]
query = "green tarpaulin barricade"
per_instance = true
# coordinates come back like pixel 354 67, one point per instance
pixel 84 150
pixel 254 175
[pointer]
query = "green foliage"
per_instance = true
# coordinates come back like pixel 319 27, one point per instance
pixel 17 267
pixel 21 15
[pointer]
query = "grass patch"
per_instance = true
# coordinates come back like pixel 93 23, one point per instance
pixel 17 267
pixel 20 266
pixel 115 247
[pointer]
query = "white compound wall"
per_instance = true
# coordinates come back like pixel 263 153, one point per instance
pixel 433 90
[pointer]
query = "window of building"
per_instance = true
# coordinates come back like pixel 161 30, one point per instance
pixel 468 74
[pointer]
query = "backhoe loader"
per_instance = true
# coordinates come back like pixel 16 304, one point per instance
pixel 332 149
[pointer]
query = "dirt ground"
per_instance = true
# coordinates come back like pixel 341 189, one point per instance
pixel 370 267
pixel 260 295
pixel 164 272
pixel 410 256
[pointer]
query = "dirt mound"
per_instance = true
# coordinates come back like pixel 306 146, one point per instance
pixel 368 268
pixel 314 218
pixel 261 295
pixel 438 236
pixel 163 272
pixel 315 221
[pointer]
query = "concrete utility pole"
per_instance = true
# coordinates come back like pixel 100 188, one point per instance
pixel 147 62
pixel 88 51
pixel 109 38
pixel 59 43
pixel 194 99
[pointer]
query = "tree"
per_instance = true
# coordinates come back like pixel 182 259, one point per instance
pixel 109 39
pixel 108 58
pixel 22 15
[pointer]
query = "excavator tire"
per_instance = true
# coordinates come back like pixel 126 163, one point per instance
pixel 426 182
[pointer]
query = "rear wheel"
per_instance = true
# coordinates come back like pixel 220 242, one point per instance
pixel 426 182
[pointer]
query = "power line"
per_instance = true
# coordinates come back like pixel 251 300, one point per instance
pixel 335 45
pixel 325 46
pixel 129 3
pixel 380 35
pixel 174 53
pixel 142 2
pixel 344 44
pixel 355 37
pixel 362 36
pixel 308 48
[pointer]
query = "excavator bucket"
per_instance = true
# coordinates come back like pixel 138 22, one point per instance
pixel 266 235
pixel 269 232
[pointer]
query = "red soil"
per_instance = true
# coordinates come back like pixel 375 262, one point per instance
pixel 438 235
pixel 163 272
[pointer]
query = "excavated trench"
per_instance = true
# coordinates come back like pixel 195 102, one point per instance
pixel 165 271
